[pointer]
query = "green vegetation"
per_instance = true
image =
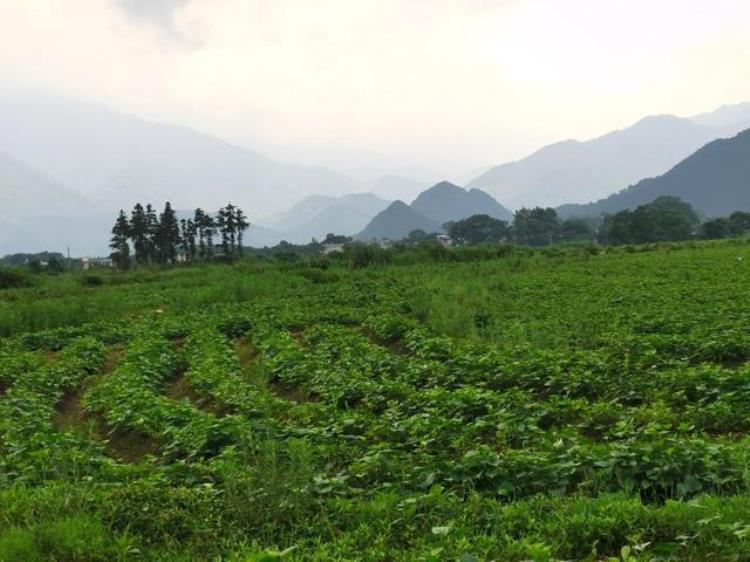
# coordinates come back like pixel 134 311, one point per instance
pixel 488 403
pixel 159 240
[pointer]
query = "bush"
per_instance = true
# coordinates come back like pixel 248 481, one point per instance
pixel 12 279
pixel 91 280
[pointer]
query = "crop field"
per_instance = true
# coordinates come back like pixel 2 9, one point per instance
pixel 560 404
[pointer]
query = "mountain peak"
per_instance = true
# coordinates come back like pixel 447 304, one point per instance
pixel 445 186
pixel 446 202
pixel 396 222
pixel 431 209
pixel 397 204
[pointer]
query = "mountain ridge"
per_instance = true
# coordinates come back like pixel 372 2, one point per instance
pixel 715 180
pixel 573 171
pixel 396 222
pixel 441 203
pixel 109 156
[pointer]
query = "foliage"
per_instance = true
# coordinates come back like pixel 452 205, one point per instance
pixel 158 240
pixel 471 404
pixel 535 227
pixel 478 229
pixel 13 278
pixel 665 218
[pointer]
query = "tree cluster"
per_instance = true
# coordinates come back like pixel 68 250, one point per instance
pixel 666 218
pixel 736 224
pixel 531 227
pixel 160 238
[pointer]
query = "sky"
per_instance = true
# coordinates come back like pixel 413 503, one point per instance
pixel 425 88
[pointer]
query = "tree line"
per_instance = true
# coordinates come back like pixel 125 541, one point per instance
pixel 148 238
pixel 530 227
pixel 666 218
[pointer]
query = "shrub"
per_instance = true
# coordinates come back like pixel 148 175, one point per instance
pixel 12 279
pixel 91 280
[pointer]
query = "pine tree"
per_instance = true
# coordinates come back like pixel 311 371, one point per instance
pixel 168 235
pixel 119 243
pixel 152 233
pixel 225 222
pixel 192 232
pixel 241 225
pixel 206 228
pixel 199 220
pixel 139 234
pixel 187 232
pixel 229 211
pixel 209 229
pixel 185 238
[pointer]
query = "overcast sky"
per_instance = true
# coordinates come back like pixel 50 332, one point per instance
pixel 426 87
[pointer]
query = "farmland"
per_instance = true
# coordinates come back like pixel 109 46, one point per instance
pixel 565 403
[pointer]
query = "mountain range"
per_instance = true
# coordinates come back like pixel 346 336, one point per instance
pixel 107 160
pixel 38 213
pixel 117 159
pixel 67 167
pixel 579 172
pixel 430 210
pixel 715 180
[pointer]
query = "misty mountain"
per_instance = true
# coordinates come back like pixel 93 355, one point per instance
pixel 715 180
pixel 579 172
pixel 395 187
pixel 729 116
pixel 446 202
pixel 317 215
pixel 396 222
pixel 37 213
pixel 430 210
pixel 118 159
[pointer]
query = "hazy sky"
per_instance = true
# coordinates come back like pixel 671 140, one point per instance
pixel 430 88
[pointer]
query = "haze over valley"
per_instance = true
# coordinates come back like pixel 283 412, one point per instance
pixel 274 111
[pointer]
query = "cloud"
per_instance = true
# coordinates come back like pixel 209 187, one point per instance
pixel 161 14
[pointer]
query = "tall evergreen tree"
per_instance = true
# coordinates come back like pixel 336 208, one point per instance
pixel 225 223
pixel 187 234
pixel 208 224
pixel 119 243
pixel 241 225
pixel 152 233
pixel 192 233
pixel 199 221
pixel 185 239
pixel 168 235
pixel 139 234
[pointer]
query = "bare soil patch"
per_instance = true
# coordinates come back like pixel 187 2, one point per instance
pixel 131 447
pixel 69 413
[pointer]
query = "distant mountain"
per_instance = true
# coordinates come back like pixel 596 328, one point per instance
pixel 446 202
pixel 395 187
pixel 731 116
pixel 579 172
pixel 118 159
pixel 715 180
pixel 430 210
pixel 396 222
pixel 38 214
pixel 317 215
